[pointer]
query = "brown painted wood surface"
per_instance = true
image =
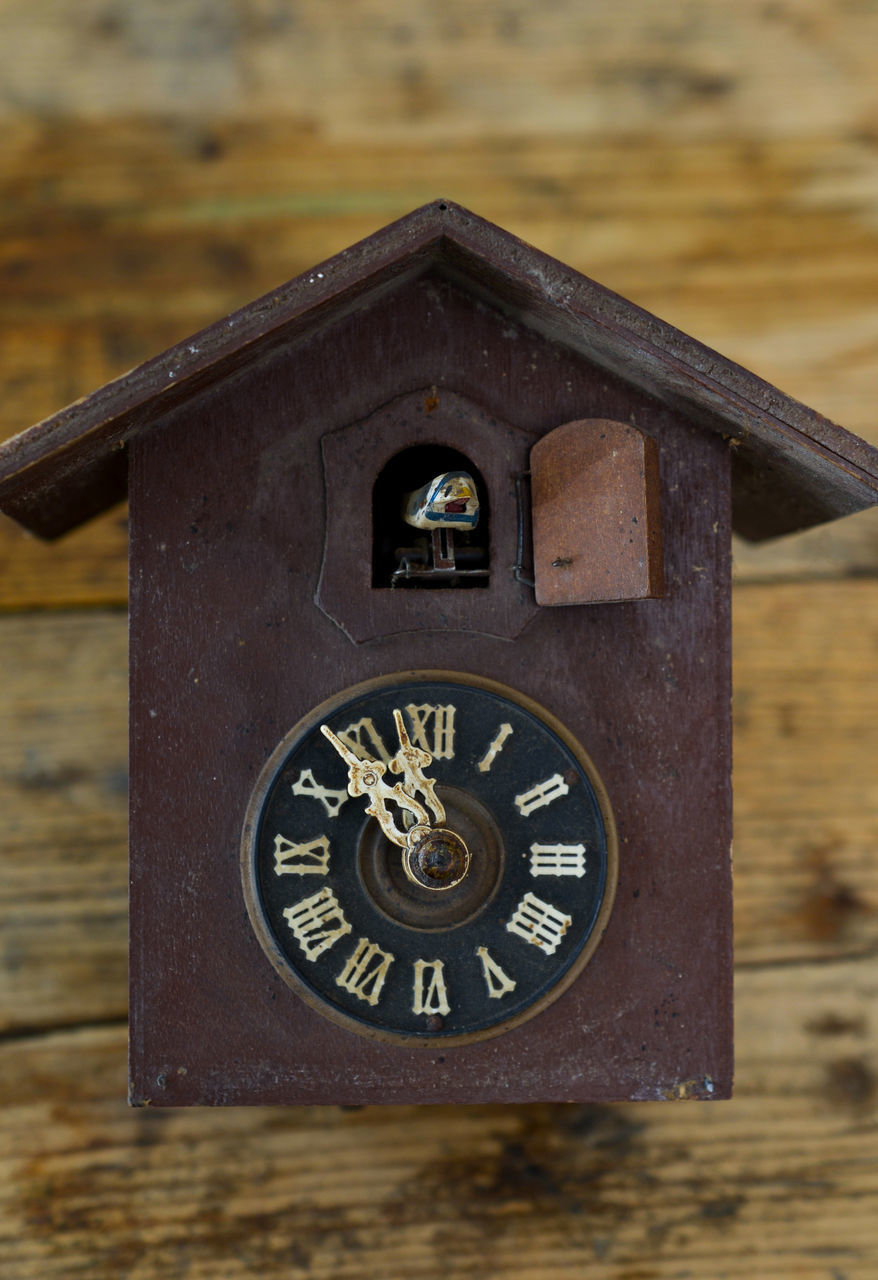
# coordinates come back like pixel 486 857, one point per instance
pixel 596 514
pixel 229 650
pixel 718 169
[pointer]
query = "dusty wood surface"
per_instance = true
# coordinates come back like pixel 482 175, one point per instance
pixel 717 166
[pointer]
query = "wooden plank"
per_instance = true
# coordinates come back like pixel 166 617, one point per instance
pixel 416 72
pixel 88 568
pixel 780 1182
pixel 844 548
pixel 806 741
pixel 63 785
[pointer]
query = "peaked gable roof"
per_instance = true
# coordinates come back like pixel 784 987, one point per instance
pixel 791 467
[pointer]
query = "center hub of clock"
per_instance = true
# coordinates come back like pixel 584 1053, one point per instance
pixel 471 843
pixel 438 860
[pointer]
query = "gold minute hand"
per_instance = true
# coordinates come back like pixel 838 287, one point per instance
pixel 366 778
pixel 410 761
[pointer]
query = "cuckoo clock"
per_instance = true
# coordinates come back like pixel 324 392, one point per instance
pixel 430 676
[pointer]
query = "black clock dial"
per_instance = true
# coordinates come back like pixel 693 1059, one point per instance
pixel 437 931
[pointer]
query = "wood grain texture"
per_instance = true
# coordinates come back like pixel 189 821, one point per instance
pixel 63 793
pixel 782 1180
pixel 87 569
pixel 413 72
pixel 717 165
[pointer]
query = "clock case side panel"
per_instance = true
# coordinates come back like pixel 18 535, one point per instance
pixel 229 650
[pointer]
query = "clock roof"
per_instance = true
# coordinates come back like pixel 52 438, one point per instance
pixel 791 467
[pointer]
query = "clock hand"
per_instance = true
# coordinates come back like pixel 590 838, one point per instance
pixel 433 857
pixel 366 777
pixel 410 761
pixel 436 858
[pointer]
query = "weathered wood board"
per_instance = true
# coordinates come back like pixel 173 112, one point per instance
pixel 719 168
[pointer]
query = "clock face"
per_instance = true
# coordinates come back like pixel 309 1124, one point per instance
pixel 460 888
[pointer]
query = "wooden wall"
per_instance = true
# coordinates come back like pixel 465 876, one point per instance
pixel 718 164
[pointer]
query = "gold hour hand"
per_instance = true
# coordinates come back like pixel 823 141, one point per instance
pixel 366 778
pixel 411 761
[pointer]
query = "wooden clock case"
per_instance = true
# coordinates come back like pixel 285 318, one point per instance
pixel 251 454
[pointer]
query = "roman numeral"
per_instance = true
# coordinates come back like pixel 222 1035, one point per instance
pixel 433 729
pixel 498 983
pixel 365 971
pixel 542 794
pixel 410 762
pixel 353 737
pixel 431 994
pixel 557 860
pixel 308 859
pixel 307 785
pixel 540 923
pixel 317 922
pixel 493 750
